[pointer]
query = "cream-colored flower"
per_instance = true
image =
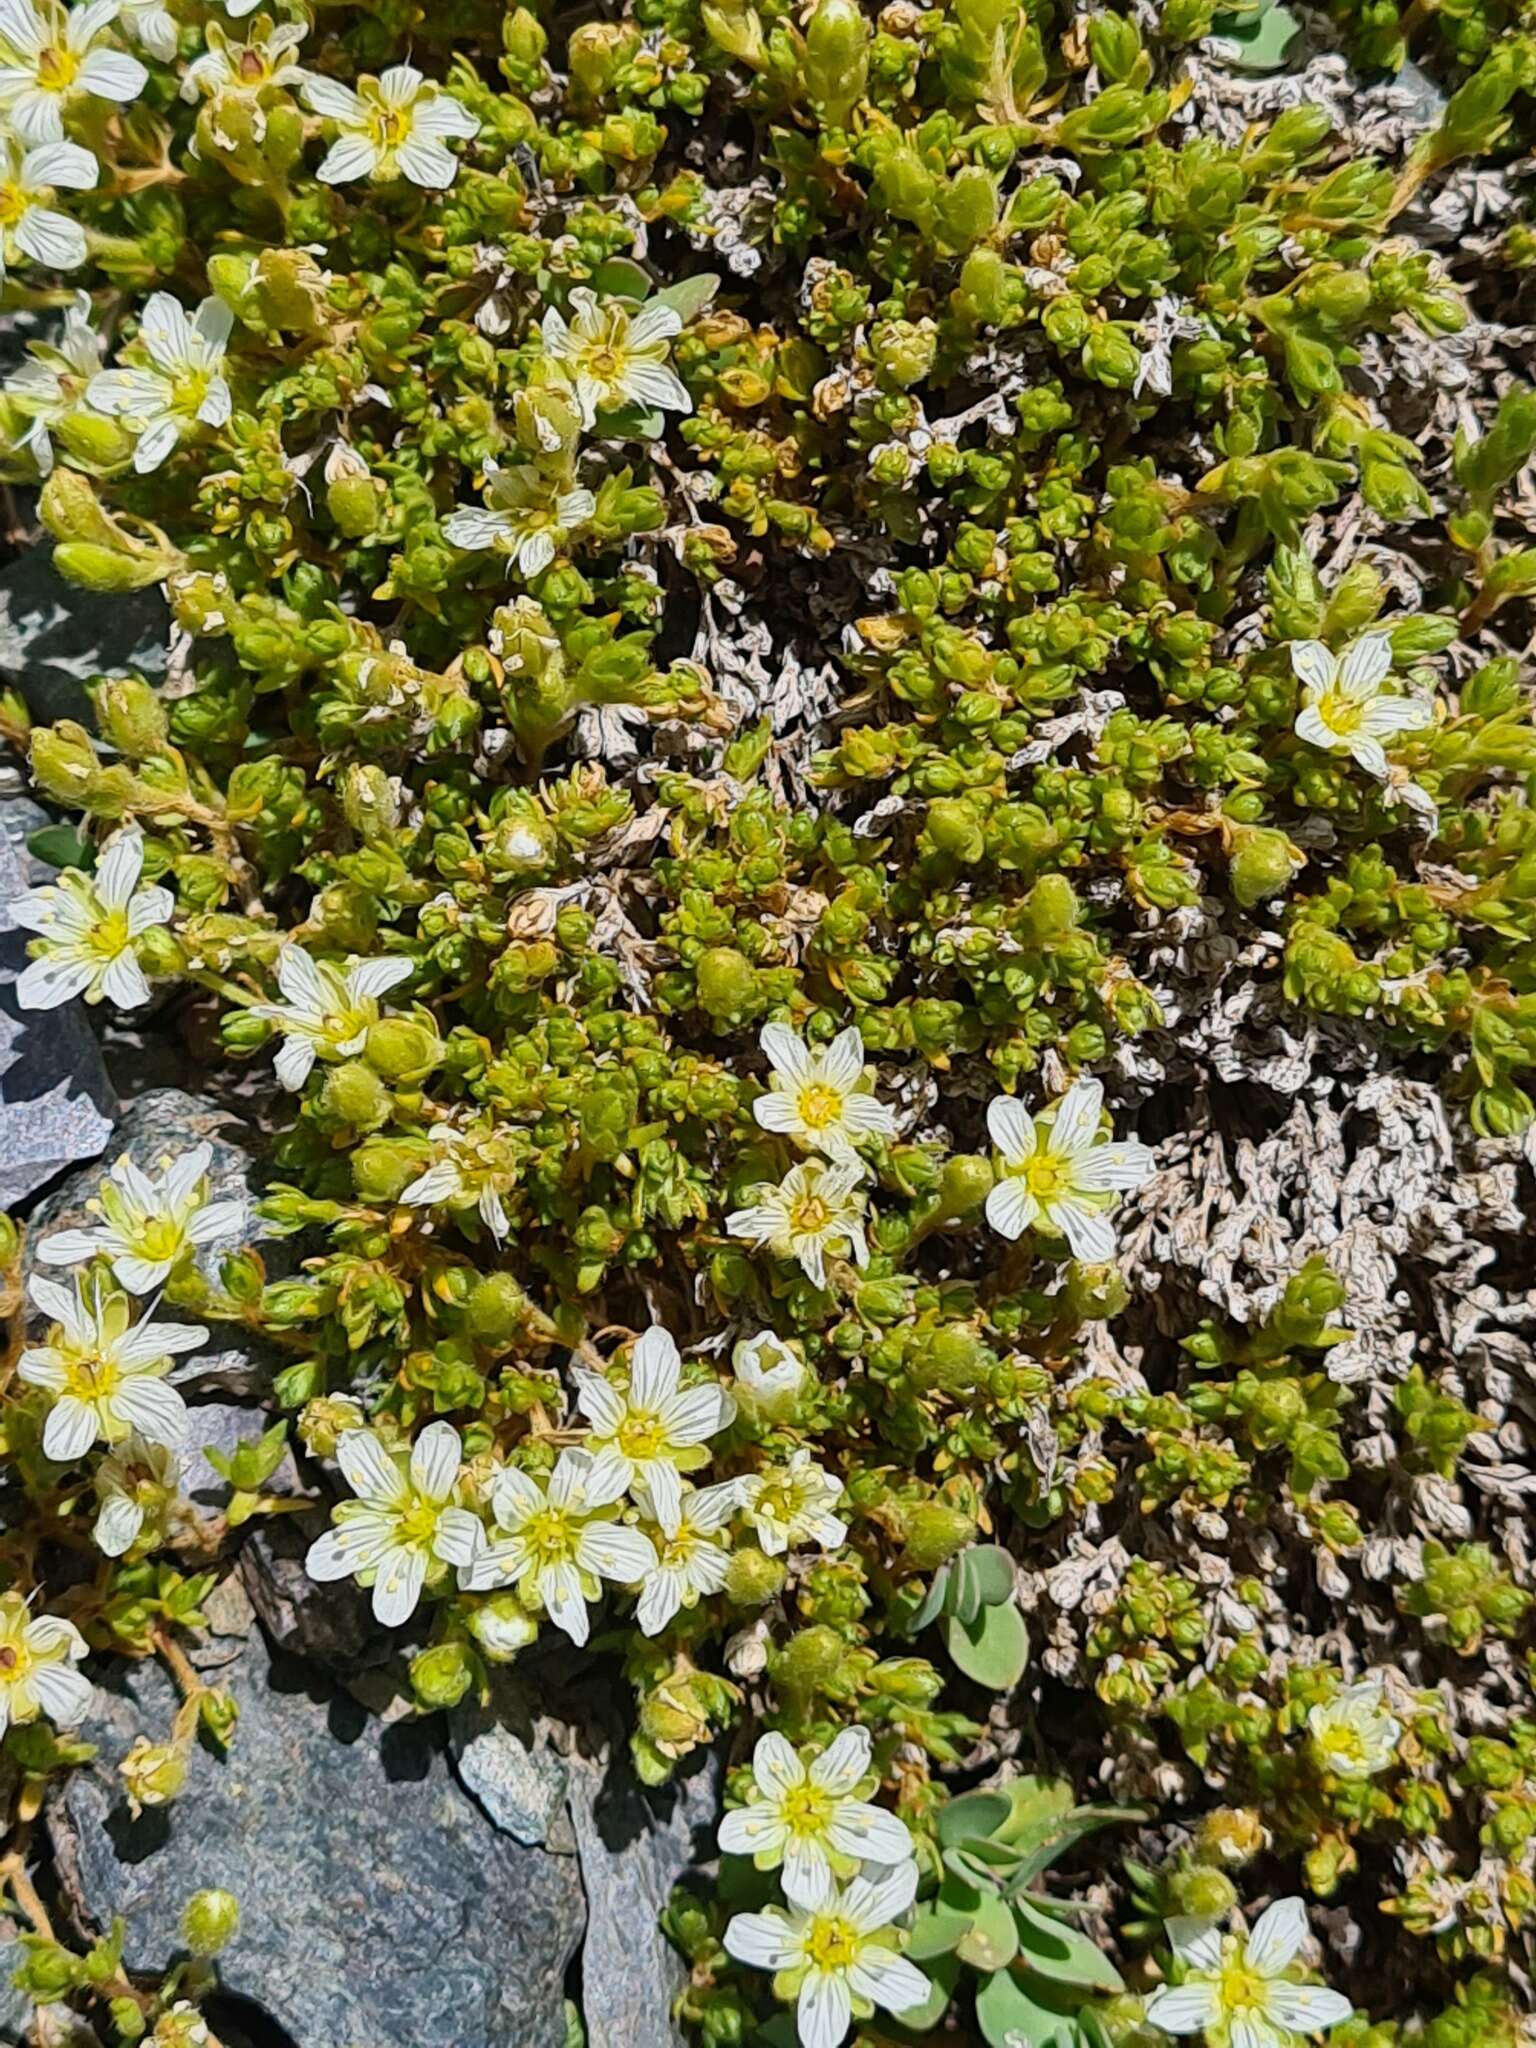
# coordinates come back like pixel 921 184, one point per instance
pixel 37 1667
pixel 152 26
pixel 611 357
pixel 51 56
pixel 404 1530
pixel 105 1371
pixel 50 385
pixel 398 125
pixel 817 1095
pixel 525 517
pixel 791 1504
pixel 244 70
pixel 1234 1990
pixel 837 1960
pixel 1343 706
pixel 1061 1172
pixel 814 1210
pixel 135 1482
pixel 809 1816
pixel 769 1376
pixel 657 1428
pixel 328 1009
pixel 1354 1735
pixel 475 1169
pixel 31 227
pixel 502 1626
pixel 560 1539
pixel 693 1555
pixel 181 387
pixel 88 927
pixel 151 1224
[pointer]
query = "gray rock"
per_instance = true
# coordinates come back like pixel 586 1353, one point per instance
pixel 165 1122
pixel 379 1907
pixel 54 638
pixel 515 1775
pixel 333 1624
pixel 56 1103
pixel 633 1845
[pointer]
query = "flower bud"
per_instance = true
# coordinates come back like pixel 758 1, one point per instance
pixel 769 1377
pixel 1230 1837
pixel 933 1533
pixel 496 1310
pixel 153 1773
pixel 836 58
pixel 355 1095
pixel 71 510
pixel 209 1921
pixel 381 1167
pixel 727 984
pixel 131 716
pixel 964 1185
pixel 1263 863
pixel 753 1578
pixel 809 1662
pixel 355 503
pixel 90 567
pixel 501 1626
pixel 441 1676
pixel 403 1048
pixel 1208 1893
pixel 64 763
pixel 326 1418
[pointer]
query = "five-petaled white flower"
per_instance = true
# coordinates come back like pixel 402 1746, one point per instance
pixel 1343 706
pixel 792 1503
pixel 51 56
pixel 1060 1171
pixel 37 1667
pixel 815 1096
pixel 150 1224
pixel 561 1538
pixel 87 926
pixel 395 126
pixel 1235 1991
pixel 693 1555
pixel 525 517
pixel 814 1210
pixel 50 385
pixel 808 1816
pixel 1355 1734
pixel 105 1371
pixel 245 70
pixel 838 1959
pixel 475 1169
pixel 30 224
pixel 181 387
pixel 769 1376
pixel 328 1008
pixel 130 1480
pixel 611 357
pixel 404 1529
pixel 658 1428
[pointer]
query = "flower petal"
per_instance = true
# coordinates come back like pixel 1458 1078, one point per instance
pixel 823 2011
pixel 435 1460
pixel 776 1767
pixel 70 1430
pixel 1277 1937
pixel 843 1762
pixel 1011 1128
pixel 761 1939
pixel 368 1469
pixel 1184 2008
pixel 1307 2008
pixel 397 1588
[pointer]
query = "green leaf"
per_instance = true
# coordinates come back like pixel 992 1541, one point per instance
pixel 936 1930
pixel 992 1569
pixel 934 1601
pixel 690 295
pixel 1040 1853
pixel 992 1940
pixel 993 1649
pixel 618 278
pixel 1014 2014
pixel 1060 1954
pixel 62 847
pixel 1262 38
pixel 972 1817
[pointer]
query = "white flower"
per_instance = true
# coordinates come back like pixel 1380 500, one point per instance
pixel 183 384
pixel 1061 1171
pixel 130 1481
pixel 151 1224
pixel 816 1096
pixel 611 357
pixel 502 1626
pixel 790 1504
pixel 526 518
pixel 807 1817
pixel 1344 709
pixel 561 1539
pixel 837 1960
pixel 328 1009
pixel 1234 1988
pixel 51 384
pixel 245 69
pixel 1354 1734
pixel 106 1372
pixel 769 1376
pixel 397 125
pixel 30 224
pixel 87 926
pixel 814 1209
pixel 403 1529
pixel 475 1169
pixel 658 1428
pixel 37 1667
pixel 152 26
pixel 692 1556
pixel 50 57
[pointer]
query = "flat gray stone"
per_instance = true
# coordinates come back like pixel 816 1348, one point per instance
pixel 379 1907
pixel 56 1102
pixel 54 638
pixel 516 1776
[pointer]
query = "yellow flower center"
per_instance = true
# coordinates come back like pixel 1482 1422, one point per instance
pixel 110 935
pixel 1342 715
pixel 91 1378
pixel 418 1524
pixel 606 364
pixel 56 69
pixel 1242 1990
pixel 642 1435
pixel 13 204
pixel 1047 1175
pixel 160 1237
pixel 832 1944
pixel 391 127
pixel 806 1810
pixel 549 1536
pixel 252 68
pixel 809 1216
pixel 819 1106
pixel 191 388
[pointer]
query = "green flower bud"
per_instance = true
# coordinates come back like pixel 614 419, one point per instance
pixel 131 716
pixel 354 1094
pixel 727 985
pixel 753 1578
pixel 1203 1891
pixel 496 1312
pixel 161 954
pixel 382 1167
pixel 836 58
pixel 209 1921
pixel 905 349
pixel 809 1662
pixel 951 1360
pixel 933 1533
pixel 964 1185
pixel 90 567
pixel 442 1675
pixel 501 1626
pixel 64 763
pixel 1263 863
pixel 153 1772
pixel 403 1048
pixel 355 504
